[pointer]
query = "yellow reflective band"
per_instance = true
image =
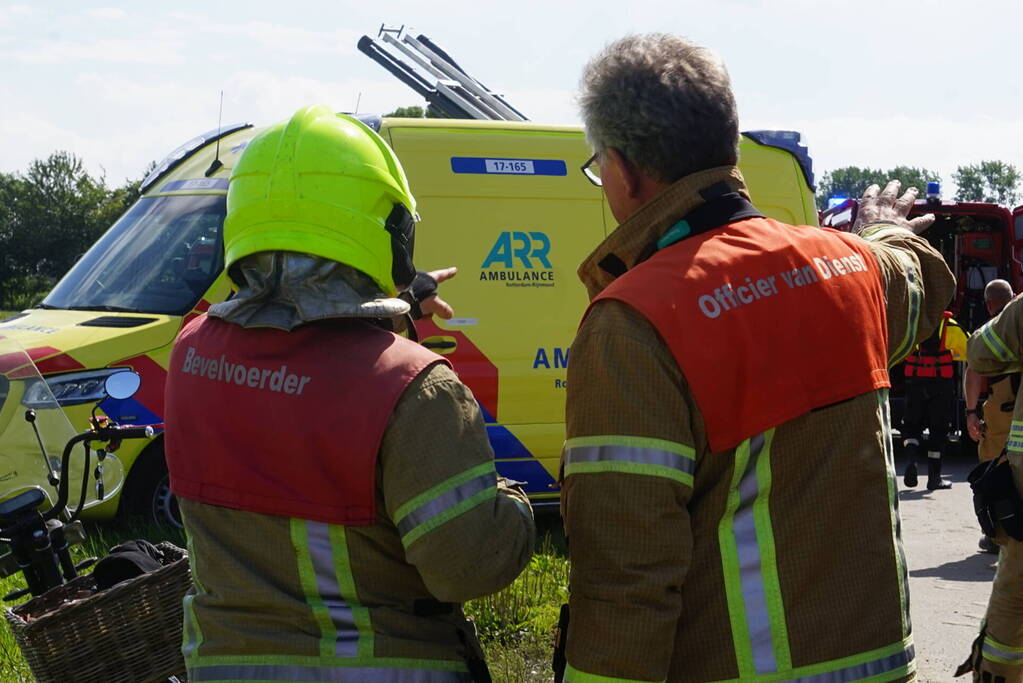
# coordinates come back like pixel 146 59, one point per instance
pixel 1003 654
pixel 573 675
pixel 880 232
pixel 995 344
pixel 630 455
pixel 912 314
pixel 645 457
pixel 884 664
pixel 633 441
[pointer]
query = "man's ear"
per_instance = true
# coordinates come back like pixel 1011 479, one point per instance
pixel 630 179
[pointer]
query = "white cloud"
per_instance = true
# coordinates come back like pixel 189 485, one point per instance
pixel 155 116
pixel 546 105
pixel 106 13
pixel 9 15
pixel 280 38
pixel 122 51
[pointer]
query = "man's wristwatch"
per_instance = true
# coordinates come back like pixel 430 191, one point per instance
pixel 973 411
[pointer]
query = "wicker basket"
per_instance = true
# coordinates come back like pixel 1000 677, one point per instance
pixel 130 633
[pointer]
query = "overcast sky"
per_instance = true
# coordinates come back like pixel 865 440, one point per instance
pixel 931 84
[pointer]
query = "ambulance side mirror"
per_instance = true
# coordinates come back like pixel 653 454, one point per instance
pixel 121 385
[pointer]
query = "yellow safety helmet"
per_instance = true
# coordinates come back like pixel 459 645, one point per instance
pixel 325 184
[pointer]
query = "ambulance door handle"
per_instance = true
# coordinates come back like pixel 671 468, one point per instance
pixel 441 345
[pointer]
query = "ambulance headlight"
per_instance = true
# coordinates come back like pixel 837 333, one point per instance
pixel 71 389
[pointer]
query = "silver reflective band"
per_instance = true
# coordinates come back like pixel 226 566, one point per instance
pixel 322 554
pixel 633 454
pixel 445 501
pixel 995 343
pixel 860 672
pixel 316 674
pixel 1002 655
pixel 754 597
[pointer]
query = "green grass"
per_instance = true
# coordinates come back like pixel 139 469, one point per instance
pixel 516 625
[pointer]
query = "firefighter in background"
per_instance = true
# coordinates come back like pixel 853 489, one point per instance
pixel 991 432
pixel 335 479
pixel 995 349
pixel 930 392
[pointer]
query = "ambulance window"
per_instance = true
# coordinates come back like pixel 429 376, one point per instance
pixel 1019 227
pixel 160 257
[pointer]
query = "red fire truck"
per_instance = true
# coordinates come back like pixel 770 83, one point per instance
pixel 980 242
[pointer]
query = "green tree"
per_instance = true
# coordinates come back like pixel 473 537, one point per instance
pixel 851 181
pixel 989 181
pixel 412 112
pixel 416 111
pixel 49 216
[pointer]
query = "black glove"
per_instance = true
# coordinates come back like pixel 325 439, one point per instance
pixel 423 287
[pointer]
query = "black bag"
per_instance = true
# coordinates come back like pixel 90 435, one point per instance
pixel 995 498
pixel 126 561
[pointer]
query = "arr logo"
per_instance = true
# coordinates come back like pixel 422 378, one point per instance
pixel 522 247
pixel 519 259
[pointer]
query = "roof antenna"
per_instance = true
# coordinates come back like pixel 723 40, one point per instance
pixel 358 101
pixel 217 164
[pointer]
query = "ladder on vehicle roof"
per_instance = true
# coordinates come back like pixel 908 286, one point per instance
pixel 454 93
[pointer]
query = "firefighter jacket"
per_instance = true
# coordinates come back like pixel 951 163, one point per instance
pixel 340 500
pixel 935 357
pixel 996 349
pixel 776 558
pixel 998 408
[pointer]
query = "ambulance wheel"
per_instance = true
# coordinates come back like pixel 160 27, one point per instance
pixel 147 492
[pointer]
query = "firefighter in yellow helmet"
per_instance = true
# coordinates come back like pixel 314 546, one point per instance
pixel 335 479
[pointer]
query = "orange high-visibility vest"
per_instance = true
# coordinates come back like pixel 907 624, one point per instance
pixel 767 321
pixel 932 358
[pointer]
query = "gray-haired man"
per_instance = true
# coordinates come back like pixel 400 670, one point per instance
pixel 729 491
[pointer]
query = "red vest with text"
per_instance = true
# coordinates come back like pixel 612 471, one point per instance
pixel 767 321
pixel 285 423
pixel 932 358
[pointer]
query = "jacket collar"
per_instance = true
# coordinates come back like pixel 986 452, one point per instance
pixel 634 240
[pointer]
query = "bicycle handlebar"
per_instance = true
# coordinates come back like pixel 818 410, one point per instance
pixel 99 433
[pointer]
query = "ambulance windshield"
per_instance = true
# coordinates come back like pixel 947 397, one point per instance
pixel 160 257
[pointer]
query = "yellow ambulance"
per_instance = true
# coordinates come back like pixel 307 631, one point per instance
pixel 503 201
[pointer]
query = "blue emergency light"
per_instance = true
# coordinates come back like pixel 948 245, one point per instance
pixel 933 191
pixel 835 201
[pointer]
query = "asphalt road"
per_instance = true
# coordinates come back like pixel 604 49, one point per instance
pixel 949 579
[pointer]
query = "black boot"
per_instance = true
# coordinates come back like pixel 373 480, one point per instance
pixel 909 478
pixel 934 482
pixel 987 545
pixel 911 449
